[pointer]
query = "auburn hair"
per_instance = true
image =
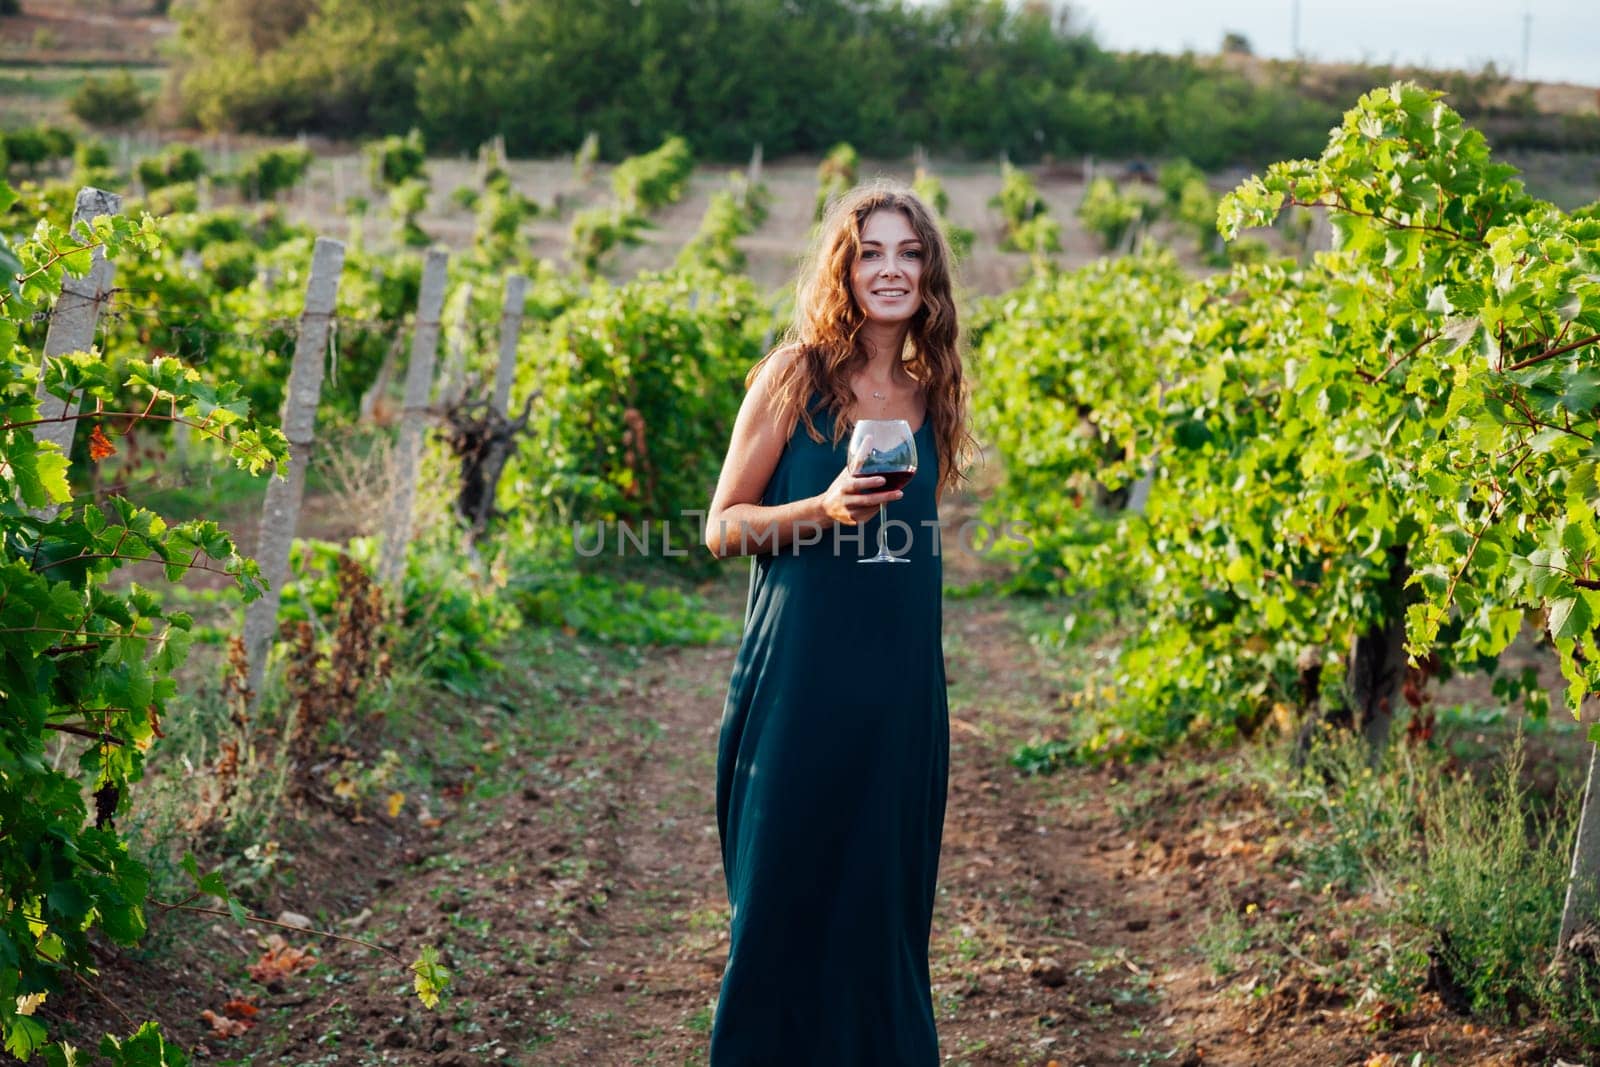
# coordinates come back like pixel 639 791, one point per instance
pixel 827 321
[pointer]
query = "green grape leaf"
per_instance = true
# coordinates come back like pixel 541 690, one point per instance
pixel 431 976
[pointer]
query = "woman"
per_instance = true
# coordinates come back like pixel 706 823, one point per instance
pixel 834 746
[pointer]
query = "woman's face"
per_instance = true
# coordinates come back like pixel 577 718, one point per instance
pixel 887 277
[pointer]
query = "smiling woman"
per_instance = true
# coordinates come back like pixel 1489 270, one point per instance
pixel 834 746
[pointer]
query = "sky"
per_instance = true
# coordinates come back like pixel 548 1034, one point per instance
pixel 1563 43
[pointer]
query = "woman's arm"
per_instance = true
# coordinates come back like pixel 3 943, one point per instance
pixel 737 523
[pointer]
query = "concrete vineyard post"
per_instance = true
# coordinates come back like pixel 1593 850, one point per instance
pixel 1583 887
pixel 413 421
pixel 516 296
pixel 452 379
pixel 73 322
pixel 280 513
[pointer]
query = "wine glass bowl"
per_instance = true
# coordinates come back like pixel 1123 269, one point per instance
pixel 885 448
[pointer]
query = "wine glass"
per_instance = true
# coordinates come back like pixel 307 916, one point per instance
pixel 887 448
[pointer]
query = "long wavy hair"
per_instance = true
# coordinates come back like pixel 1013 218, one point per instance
pixel 828 320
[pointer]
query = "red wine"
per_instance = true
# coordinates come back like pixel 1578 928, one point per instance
pixel 891 479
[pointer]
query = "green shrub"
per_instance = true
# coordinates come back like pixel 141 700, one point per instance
pixel 1018 199
pixel 274 171
pixel 836 174
pixel 1174 177
pixel 112 101
pixel 1108 213
pixel 91 155
pixel 932 192
pixel 178 198
pixel 596 231
pixel 641 383
pixel 173 164
pixel 501 212
pixel 1467 877
pixel 646 183
pixel 394 160
pixel 732 213
pixel 407 201
pixel 34 145
pixel 452 618
pixel 584 159
pixel 619 611
pixel 1039 235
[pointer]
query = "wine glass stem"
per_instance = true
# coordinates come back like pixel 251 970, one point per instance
pixel 883 534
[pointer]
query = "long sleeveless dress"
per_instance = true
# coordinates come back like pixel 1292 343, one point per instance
pixel 832 765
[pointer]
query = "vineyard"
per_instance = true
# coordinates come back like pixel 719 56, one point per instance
pixel 332 737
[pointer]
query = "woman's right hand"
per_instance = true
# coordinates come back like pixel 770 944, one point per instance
pixel 850 498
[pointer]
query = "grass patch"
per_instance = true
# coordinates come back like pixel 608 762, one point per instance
pixel 58 83
pixel 1451 882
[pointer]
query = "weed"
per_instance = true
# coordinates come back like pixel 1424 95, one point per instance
pixel 1224 938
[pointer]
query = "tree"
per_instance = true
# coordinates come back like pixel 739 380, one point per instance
pixel 112 101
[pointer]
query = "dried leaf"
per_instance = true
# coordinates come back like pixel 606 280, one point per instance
pixel 100 445
pixel 222 1026
pixel 279 961
pixel 240 1009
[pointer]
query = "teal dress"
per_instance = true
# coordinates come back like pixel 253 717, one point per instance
pixel 832 764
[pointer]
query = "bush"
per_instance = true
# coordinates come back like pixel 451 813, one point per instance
pixel 501 211
pixel 111 101
pixel 394 160
pixel 836 174
pixel 1468 877
pixel 407 200
pixel 1109 213
pixel 596 231
pixel 91 155
pixel 274 171
pixel 931 190
pixel 641 383
pixel 34 145
pixel 628 613
pixel 970 78
pixel 584 159
pixel 179 198
pixel 731 214
pixel 1018 199
pixel 176 163
pixel 1039 235
pixel 1176 176
pixel 652 181
pixel 451 618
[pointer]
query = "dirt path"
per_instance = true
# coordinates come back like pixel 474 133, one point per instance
pixel 586 915
pixel 580 901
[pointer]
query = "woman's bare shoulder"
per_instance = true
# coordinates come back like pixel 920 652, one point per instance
pixel 775 365
pixel 787 355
